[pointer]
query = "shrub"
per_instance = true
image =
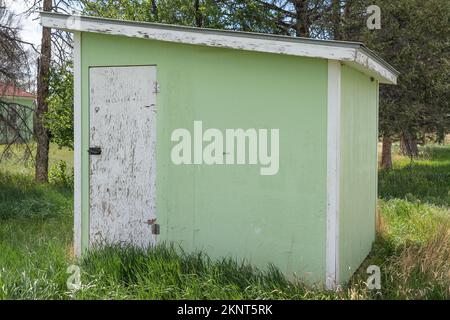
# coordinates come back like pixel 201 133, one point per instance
pixel 58 175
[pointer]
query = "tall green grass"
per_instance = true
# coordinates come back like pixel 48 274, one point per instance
pixel 35 238
pixel 166 272
pixel 412 249
pixel 426 179
pixel 18 160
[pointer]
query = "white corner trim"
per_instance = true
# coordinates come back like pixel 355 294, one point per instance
pixel 348 52
pixel 77 142
pixel 333 173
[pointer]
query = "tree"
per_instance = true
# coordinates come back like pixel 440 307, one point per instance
pixel 198 13
pixel 14 75
pixel 246 15
pixel 300 18
pixel 386 153
pixel 41 132
pixel 60 43
pixel 415 39
pixel 59 118
pixel 13 57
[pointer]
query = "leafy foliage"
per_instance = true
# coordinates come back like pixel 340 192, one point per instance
pixel 59 175
pixel 14 73
pixel 220 14
pixel 59 118
pixel 415 38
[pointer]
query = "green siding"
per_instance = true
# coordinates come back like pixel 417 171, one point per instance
pixel 28 117
pixel 231 210
pixel 358 169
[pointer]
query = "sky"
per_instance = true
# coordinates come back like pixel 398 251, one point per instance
pixel 31 29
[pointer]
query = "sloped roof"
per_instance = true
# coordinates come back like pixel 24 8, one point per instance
pixel 354 54
pixel 8 90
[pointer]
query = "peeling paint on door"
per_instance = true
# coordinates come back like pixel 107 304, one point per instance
pixel 123 176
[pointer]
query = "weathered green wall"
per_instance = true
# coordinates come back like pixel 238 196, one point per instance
pixel 358 169
pixel 230 210
pixel 26 132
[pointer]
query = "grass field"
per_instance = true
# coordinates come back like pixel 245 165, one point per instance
pixel 412 247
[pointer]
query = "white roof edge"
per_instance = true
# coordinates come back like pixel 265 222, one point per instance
pixel 354 54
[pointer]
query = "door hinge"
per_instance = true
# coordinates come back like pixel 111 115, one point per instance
pixel 156 87
pixel 155 228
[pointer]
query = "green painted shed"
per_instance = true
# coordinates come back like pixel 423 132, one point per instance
pixel 258 147
pixel 16 114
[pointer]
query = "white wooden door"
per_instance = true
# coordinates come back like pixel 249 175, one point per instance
pixel 123 176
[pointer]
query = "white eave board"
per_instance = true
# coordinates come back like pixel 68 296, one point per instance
pixel 354 54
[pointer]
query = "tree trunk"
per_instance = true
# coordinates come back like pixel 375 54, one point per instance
pixel 386 153
pixel 198 14
pixel 346 18
pixel 154 10
pixel 440 136
pixel 41 133
pixel 336 9
pixel 301 17
pixel 408 145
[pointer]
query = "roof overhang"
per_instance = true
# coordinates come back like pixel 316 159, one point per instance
pixel 354 54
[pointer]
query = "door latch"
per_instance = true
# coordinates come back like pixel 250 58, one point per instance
pixel 95 151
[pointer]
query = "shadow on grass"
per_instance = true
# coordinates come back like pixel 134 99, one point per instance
pixel 435 153
pixel 21 197
pixel 426 179
pixel 165 272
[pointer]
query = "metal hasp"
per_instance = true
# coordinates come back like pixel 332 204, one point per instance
pixel 95 151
